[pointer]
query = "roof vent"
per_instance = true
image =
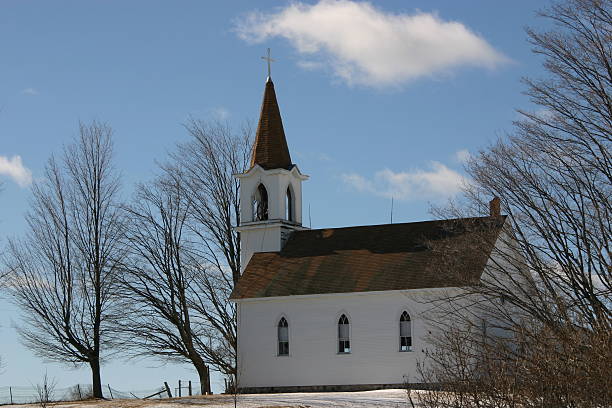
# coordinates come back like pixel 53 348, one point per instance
pixel 495 207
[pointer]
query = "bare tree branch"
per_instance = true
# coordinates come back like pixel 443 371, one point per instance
pixel 185 254
pixel 160 277
pixel 544 303
pixel 208 164
pixel 64 271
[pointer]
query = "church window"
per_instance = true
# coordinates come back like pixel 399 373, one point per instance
pixel 260 204
pixel 289 205
pixel 283 337
pixel 405 332
pixel 344 342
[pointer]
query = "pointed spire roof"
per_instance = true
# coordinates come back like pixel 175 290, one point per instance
pixel 270 150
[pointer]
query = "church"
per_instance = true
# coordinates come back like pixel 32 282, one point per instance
pixel 330 309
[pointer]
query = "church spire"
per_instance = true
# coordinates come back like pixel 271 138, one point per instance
pixel 270 150
pixel 271 190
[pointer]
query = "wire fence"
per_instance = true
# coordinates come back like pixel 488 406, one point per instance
pixel 29 394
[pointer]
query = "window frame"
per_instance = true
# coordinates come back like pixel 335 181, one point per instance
pixel 278 337
pixel 409 347
pixel 340 340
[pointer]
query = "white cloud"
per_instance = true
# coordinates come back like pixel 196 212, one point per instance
pixel 29 91
pixel 14 168
pixel 220 113
pixel 365 45
pixel 310 65
pixel 438 181
pixel 324 157
pixel 462 156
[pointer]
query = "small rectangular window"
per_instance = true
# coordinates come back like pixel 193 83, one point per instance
pixel 344 346
pixel 405 343
pixel 283 348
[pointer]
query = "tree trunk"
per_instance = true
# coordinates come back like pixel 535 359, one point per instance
pixel 96 382
pixel 203 374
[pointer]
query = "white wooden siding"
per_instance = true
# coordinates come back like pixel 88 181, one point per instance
pixel 313 340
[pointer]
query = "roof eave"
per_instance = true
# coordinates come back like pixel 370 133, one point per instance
pixel 258 169
pixel 362 293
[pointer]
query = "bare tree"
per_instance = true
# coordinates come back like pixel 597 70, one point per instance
pixel 160 280
pixel 3 275
pixel 45 391
pixel 554 176
pixel 549 287
pixel 3 271
pixel 64 271
pixel 185 253
pixel 207 165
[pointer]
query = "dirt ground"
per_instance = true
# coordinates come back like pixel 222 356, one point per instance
pixel 380 398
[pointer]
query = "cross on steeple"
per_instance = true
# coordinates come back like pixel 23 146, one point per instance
pixel 269 61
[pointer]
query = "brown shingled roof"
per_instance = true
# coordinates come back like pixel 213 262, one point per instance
pixel 270 150
pixel 373 258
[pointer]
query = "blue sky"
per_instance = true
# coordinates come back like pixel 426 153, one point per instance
pixel 378 101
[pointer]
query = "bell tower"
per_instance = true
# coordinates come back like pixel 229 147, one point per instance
pixel 271 190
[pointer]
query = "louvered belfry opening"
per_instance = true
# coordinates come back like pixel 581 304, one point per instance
pixel 270 149
pixel 260 204
pixel 289 205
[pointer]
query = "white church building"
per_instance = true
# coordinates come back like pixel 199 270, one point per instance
pixel 328 309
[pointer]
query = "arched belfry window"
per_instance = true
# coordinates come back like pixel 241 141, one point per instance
pixel 260 204
pixel 405 332
pixel 289 214
pixel 283 337
pixel 344 341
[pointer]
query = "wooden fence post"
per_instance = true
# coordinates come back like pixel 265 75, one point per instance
pixel 168 389
pixel 110 391
pixel 190 388
pixel 79 389
pixel 11 392
pixel 180 394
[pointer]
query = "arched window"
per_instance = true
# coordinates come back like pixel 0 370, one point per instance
pixel 283 337
pixel 289 205
pixel 405 332
pixel 260 204
pixel 344 341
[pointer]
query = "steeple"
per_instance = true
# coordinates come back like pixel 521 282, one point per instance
pixel 270 150
pixel 271 189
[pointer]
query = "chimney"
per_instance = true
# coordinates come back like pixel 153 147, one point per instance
pixel 495 207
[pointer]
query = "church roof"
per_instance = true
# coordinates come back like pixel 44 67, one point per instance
pixel 373 258
pixel 270 150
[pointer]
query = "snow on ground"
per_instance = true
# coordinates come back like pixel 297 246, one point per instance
pixel 363 399
pixel 380 398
